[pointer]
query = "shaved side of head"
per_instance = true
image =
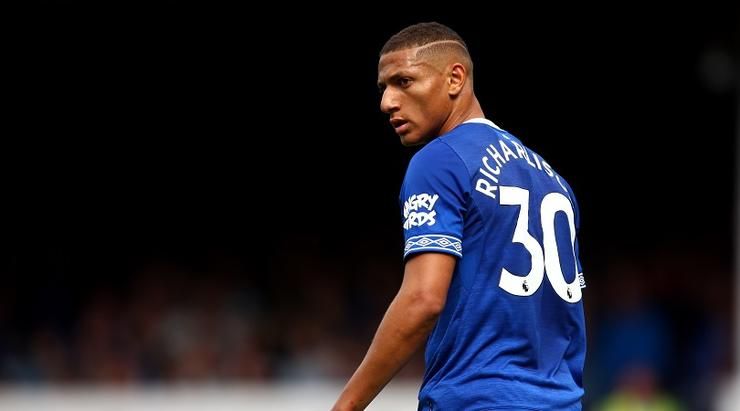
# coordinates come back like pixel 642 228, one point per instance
pixel 445 52
pixel 437 44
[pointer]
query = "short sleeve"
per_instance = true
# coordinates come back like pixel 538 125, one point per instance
pixel 433 201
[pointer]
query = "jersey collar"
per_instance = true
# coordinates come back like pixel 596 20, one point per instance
pixel 482 121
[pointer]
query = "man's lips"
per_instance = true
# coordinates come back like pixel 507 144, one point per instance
pixel 399 124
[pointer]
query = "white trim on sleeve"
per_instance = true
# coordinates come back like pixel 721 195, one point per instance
pixel 433 242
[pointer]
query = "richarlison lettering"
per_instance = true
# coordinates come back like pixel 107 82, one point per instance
pixel 498 157
pixel 419 210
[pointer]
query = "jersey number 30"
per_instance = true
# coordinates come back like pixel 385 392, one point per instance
pixel 547 261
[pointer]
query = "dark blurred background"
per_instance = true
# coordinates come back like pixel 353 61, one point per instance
pixel 196 193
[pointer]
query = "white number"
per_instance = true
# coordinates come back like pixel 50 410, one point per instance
pixel 528 284
pixel 551 204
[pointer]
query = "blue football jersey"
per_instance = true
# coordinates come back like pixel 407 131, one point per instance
pixel 512 333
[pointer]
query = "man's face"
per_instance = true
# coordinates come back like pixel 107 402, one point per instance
pixel 414 95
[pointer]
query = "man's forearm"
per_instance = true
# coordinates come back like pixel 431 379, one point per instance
pixel 404 328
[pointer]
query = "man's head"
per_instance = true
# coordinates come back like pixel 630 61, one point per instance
pixel 426 76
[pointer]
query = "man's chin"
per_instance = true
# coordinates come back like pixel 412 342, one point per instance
pixel 410 141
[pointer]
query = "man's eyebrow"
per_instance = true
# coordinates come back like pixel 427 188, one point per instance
pixel 393 77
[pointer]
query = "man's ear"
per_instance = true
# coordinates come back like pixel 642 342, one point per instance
pixel 456 79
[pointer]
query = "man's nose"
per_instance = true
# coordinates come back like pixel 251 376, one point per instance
pixel 389 101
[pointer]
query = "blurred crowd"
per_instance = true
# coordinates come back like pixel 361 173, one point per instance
pixel 306 315
pixel 659 324
pixel 660 331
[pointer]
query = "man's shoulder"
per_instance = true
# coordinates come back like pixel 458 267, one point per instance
pixel 438 160
pixel 432 152
pixel 466 142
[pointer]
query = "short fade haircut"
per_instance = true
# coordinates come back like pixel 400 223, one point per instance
pixel 421 34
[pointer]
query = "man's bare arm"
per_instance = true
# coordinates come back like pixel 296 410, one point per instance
pixel 405 327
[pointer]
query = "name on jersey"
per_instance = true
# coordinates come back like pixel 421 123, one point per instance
pixel 499 156
pixel 419 210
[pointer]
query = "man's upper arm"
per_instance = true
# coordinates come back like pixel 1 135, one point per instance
pixel 427 277
pixel 434 202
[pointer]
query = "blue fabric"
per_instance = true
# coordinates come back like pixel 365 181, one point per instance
pixel 503 341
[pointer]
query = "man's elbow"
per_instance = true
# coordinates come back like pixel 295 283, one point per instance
pixel 428 305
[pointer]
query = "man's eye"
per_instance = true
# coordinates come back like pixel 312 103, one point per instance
pixel 404 82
